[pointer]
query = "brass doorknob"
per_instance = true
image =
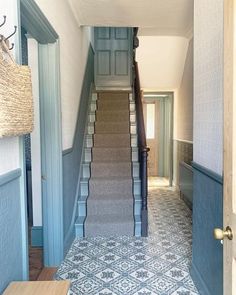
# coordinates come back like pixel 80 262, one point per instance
pixel 220 234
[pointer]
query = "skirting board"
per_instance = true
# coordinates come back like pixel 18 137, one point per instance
pixel 37 236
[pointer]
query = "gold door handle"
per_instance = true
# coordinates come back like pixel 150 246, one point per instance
pixel 220 234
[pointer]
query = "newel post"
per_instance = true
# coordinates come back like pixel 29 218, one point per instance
pixel 144 192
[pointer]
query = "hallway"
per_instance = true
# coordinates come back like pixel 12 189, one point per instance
pixel 158 264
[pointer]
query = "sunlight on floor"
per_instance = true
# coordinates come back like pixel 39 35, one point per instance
pixel 158 181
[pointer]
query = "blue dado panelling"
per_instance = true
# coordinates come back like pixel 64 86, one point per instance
pixel 11 260
pixel 72 158
pixel 207 261
pixel 186 183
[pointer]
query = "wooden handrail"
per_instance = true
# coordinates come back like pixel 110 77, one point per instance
pixel 143 150
pixel 139 109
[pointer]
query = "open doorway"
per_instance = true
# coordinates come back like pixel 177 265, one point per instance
pixel 32 151
pixel 158 118
pixel 43 148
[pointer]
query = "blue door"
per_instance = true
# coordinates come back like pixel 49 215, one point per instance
pixel 113 57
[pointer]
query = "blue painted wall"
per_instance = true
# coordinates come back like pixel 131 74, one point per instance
pixel 207 262
pixel 11 259
pixel 72 158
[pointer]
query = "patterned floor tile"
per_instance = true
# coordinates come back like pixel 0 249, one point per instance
pixel 183 291
pixel 142 274
pixel 157 265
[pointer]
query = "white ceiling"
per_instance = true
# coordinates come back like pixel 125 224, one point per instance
pixel 154 17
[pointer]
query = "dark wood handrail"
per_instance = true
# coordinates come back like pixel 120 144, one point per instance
pixel 143 150
pixel 139 109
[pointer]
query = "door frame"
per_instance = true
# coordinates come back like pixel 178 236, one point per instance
pixel 40 29
pixel 229 137
pixel 146 102
pixel 169 95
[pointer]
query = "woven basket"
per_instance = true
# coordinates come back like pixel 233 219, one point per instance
pixel 16 99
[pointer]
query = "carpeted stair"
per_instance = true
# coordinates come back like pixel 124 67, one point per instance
pixel 110 202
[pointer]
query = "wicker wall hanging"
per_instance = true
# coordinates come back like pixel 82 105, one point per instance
pixel 16 99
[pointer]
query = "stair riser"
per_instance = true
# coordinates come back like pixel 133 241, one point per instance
pixel 79 230
pixel 112 157
pixel 137 227
pixel 82 207
pixel 103 208
pixel 113 96
pixel 133 189
pixel 132 118
pixel 114 170
pixel 95 97
pixel 84 189
pixel 137 187
pixel 113 106
pixel 137 207
pixel 112 116
pixel 132 129
pixel 109 142
pixel 108 188
pixel 86 171
pixel 95 106
pixel 115 141
pixel 108 230
pixel 112 128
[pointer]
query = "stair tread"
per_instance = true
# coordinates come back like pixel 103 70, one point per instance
pixel 104 197
pixel 112 178
pixel 111 163
pixel 112 218
pixel 115 123
pixel 112 135
pixel 110 189
pixel 135 179
pixel 113 111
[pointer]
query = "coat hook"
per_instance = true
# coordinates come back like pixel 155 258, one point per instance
pixel 12 46
pixel 12 33
pixel 4 21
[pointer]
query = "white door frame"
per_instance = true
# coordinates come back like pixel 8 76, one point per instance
pixel 229 271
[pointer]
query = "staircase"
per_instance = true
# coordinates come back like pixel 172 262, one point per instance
pixel 110 201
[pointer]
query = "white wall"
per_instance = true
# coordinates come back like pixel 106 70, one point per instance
pixel 161 61
pixel 74 42
pixel 9 147
pixel 208 84
pixel 184 101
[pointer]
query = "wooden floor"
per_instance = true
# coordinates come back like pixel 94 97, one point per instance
pixel 47 274
pixel 36 270
pixel 35 262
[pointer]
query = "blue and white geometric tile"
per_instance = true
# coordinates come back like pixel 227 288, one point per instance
pixel 157 265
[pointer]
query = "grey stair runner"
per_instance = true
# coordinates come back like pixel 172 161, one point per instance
pixel 110 202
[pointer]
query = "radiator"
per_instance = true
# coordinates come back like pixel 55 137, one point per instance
pixel 186 183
